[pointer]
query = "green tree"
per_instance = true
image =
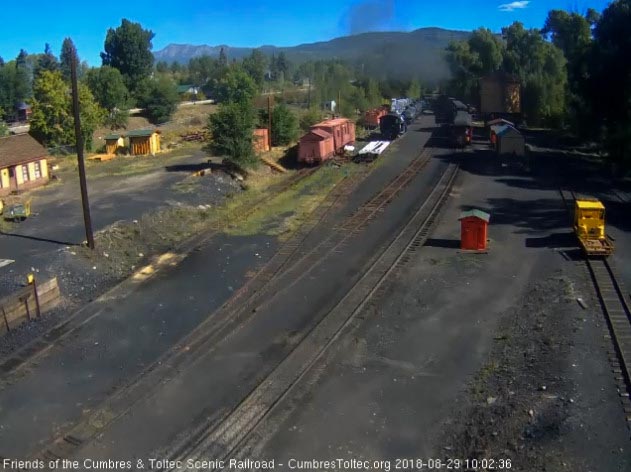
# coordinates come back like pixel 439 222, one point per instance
pixel 231 129
pixel 414 90
pixel 235 86
pixel 284 126
pixel 469 60
pixel 463 63
pixel 46 61
pixel 373 95
pixel 610 82
pixel 541 67
pixel 14 87
pixel 52 121
pixel 310 118
pixel 117 119
pixel 159 97
pixel 488 48
pixel 223 58
pixel 162 67
pixel 92 115
pixel 128 48
pixel 108 87
pixel 203 70
pixel 255 65
pixel 572 33
pixel 4 130
pixel 68 51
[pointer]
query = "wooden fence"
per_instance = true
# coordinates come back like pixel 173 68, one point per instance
pixel 24 305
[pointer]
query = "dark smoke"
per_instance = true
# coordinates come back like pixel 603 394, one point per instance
pixel 370 15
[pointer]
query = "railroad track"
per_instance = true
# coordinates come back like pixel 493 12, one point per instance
pixel 222 438
pixel 42 344
pixel 615 306
pixel 281 272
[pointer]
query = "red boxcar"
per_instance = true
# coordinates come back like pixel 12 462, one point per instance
pixel 342 130
pixel 371 117
pixel 316 146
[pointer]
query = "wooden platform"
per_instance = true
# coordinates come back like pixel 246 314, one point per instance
pixel 102 157
pixel 597 247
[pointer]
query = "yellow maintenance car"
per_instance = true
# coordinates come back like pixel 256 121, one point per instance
pixel 589 226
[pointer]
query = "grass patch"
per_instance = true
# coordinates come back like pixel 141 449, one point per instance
pixel 284 213
pixel 188 185
pixel 126 165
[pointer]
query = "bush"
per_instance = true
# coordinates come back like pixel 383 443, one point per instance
pixel 231 129
pixel 117 119
pixel 310 118
pixel 284 126
pixel 159 98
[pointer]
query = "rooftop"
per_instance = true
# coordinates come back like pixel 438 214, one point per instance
pixel 590 204
pixel 137 133
pixel 20 148
pixel 332 122
pixel 475 213
pixel 320 133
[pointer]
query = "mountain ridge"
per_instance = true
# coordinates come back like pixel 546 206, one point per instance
pixel 418 53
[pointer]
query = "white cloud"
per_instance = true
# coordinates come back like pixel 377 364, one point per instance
pixel 518 5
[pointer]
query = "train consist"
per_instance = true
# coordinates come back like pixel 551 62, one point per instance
pixel 372 117
pixel 326 139
pixel 456 117
pixel 403 111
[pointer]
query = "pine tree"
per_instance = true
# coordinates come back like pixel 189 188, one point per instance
pixel 68 51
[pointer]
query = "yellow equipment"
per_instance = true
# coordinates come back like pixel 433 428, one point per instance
pixel 589 226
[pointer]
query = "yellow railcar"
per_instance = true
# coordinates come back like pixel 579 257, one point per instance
pixel 589 226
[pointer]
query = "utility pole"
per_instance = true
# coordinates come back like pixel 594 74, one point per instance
pixel 309 96
pixel 269 120
pixel 79 140
pixel 339 101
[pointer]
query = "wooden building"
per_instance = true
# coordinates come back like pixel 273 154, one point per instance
pixel 23 164
pixel 500 95
pixel 23 112
pixel 113 143
pixel 143 142
pixel 261 140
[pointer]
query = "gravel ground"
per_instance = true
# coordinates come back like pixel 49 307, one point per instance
pixel 531 403
pixel 84 275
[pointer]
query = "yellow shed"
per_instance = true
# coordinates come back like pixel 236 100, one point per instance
pixel 144 141
pixel 23 164
pixel 114 142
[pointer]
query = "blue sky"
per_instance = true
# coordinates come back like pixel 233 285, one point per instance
pixel 31 24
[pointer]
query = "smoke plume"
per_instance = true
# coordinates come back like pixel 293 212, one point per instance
pixel 369 15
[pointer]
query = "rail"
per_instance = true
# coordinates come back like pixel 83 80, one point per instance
pixel 290 264
pixel 615 307
pixel 223 439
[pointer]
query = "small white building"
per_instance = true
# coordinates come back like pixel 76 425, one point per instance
pixel 510 141
pixel 330 106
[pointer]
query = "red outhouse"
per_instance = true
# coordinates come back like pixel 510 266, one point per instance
pixel 473 230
